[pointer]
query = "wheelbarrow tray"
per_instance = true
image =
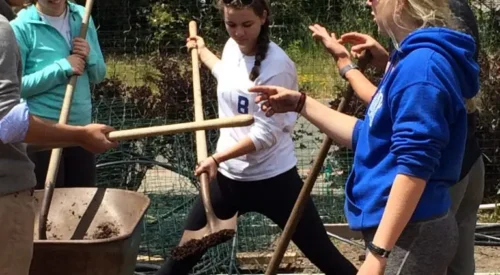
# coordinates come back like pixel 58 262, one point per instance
pixel 89 231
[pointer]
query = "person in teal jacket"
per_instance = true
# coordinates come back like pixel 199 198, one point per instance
pixel 47 32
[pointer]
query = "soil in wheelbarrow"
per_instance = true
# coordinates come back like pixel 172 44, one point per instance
pixel 104 230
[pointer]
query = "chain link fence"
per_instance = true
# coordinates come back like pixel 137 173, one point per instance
pixel 149 83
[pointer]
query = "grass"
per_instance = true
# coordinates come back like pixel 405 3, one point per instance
pixel 317 74
pixel 133 70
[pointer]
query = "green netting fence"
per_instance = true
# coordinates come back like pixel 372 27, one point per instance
pixel 149 83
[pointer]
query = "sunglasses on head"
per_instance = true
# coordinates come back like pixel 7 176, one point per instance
pixel 243 2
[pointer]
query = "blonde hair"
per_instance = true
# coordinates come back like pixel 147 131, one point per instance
pixel 427 13
pixel 424 13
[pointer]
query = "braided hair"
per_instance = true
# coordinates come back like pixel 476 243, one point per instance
pixel 263 40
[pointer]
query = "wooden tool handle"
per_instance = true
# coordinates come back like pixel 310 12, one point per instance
pixel 55 156
pixel 237 121
pixel 298 208
pixel 68 96
pixel 201 142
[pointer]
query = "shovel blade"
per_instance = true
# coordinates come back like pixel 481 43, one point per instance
pixel 197 241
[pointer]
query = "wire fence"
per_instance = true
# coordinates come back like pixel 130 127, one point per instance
pixel 149 83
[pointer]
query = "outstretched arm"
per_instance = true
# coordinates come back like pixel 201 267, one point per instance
pixel 340 127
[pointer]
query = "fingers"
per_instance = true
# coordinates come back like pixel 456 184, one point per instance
pixel 353 38
pixel 318 31
pixel 261 97
pixel 194 38
pixel 106 129
pixel 80 67
pixel 204 168
pixel 267 109
pixel 314 30
pixel 194 42
pixel 359 48
pixel 318 28
pixel 80 40
pixel 83 53
pixel 198 171
pixel 264 89
pixel 110 144
pixel 81 46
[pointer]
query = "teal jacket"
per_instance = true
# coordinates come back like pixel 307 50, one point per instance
pixel 46 71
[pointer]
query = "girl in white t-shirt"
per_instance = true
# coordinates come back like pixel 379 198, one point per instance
pixel 254 167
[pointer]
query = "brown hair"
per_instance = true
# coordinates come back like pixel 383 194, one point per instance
pixel 258 6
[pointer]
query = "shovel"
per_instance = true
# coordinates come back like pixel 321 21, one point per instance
pixel 298 208
pixel 216 231
pixel 122 135
pixel 55 156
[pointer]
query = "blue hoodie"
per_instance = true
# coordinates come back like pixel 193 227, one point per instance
pixel 415 125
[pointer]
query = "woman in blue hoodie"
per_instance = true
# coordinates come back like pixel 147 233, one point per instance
pixel 52 51
pixel 409 147
pixel 467 193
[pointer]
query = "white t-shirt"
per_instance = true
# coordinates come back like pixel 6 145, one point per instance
pixel 61 23
pixel 272 136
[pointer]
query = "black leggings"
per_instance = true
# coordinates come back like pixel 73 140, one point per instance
pixel 274 198
pixel 76 169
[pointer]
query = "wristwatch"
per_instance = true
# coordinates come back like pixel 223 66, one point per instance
pixel 377 250
pixel 347 68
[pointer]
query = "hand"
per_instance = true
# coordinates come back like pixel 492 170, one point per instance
pixel 195 42
pixel 94 138
pixel 209 166
pixel 81 47
pixel 276 99
pixel 362 42
pixel 336 49
pixel 373 265
pixel 77 64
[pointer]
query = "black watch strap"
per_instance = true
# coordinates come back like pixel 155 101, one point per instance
pixel 377 250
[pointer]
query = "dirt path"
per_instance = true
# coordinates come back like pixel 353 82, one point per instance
pixel 487 257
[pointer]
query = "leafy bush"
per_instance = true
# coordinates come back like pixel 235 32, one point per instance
pixel 489 123
pixel 125 107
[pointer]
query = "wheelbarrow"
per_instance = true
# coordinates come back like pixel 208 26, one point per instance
pixel 91 231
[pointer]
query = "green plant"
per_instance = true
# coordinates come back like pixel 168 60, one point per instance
pixel 489 123
pixel 124 107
